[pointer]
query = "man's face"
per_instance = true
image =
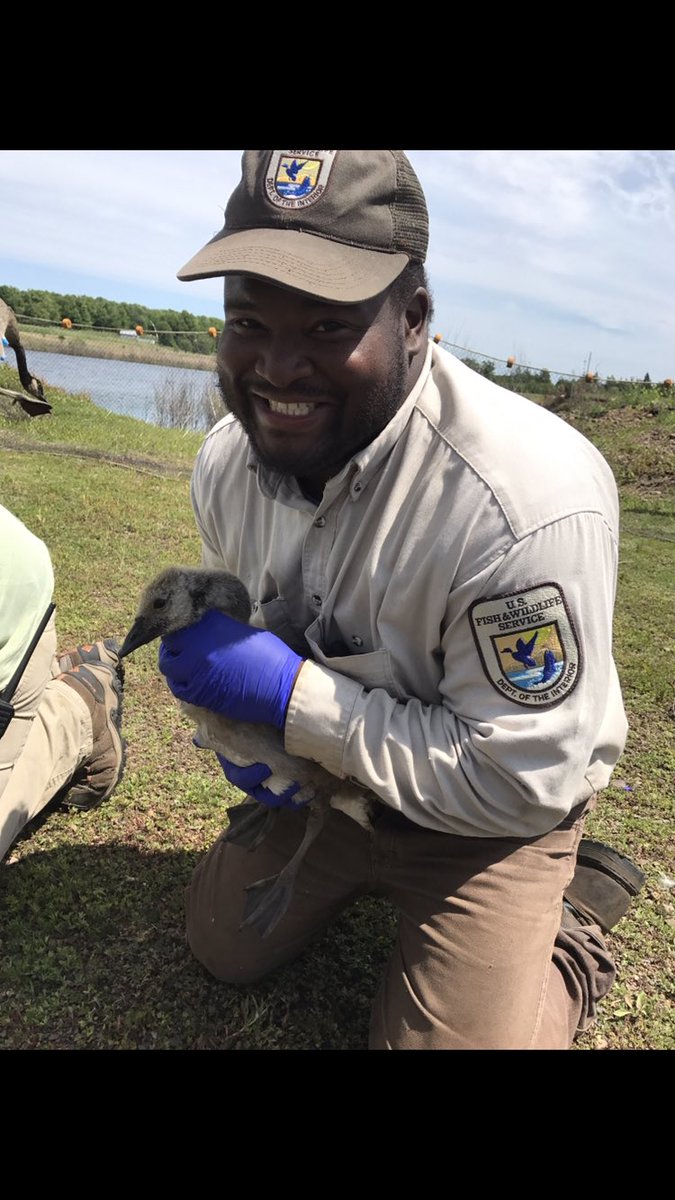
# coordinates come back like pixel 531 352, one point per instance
pixel 311 381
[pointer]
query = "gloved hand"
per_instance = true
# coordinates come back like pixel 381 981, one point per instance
pixel 244 673
pixel 249 779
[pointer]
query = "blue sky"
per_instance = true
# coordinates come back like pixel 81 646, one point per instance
pixel 553 256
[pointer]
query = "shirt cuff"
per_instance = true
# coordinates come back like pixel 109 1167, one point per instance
pixel 318 716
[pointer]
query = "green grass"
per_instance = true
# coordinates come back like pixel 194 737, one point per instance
pixel 77 423
pixel 92 945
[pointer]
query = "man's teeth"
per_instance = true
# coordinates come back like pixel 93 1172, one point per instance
pixel 291 410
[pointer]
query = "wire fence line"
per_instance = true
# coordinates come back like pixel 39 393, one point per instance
pixel 131 372
pixel 180 390
pixel 522 368
pixel 153 334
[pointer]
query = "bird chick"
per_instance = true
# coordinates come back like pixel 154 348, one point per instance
pixel 175 599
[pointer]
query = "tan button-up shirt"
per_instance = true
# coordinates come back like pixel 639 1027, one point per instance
pixel 453 594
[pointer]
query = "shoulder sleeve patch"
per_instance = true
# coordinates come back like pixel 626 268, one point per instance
pixel 527 644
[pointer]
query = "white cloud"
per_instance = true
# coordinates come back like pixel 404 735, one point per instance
pixel 564 252
pixel 587 237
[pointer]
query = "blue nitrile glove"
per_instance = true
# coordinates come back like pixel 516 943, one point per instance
pixel 244 673
pixel 249 779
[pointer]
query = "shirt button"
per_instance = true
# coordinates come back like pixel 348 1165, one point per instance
pixel 317 601
pixel 320 522
pixel 357 487
pixel 358 641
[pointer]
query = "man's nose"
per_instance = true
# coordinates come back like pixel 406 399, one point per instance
pixel 282 360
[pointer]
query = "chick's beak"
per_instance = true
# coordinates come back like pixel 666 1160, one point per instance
pixel 140 634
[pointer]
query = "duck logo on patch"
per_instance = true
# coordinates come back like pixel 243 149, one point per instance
pixel 527 645
pixel 297 178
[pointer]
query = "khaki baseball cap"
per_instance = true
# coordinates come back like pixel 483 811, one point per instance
pixel 340 224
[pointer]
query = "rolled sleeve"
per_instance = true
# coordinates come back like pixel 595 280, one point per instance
pixel 319 716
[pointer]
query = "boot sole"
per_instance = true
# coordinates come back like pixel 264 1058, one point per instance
pixel 620 868
pixel 603 886
pixel 90 654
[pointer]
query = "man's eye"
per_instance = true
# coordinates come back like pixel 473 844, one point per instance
pixel 243 324
pixel 329 326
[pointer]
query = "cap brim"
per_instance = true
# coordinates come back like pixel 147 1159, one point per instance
pixel 303 261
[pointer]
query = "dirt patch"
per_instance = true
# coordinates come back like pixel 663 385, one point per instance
pixel 133 462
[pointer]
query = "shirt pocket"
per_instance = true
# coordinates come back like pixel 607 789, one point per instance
pixel 372 669
pixel 274 616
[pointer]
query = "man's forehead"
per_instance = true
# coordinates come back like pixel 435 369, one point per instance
pixel 251 290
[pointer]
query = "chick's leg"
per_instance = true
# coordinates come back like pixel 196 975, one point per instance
pixel 249 824
pixel 267 900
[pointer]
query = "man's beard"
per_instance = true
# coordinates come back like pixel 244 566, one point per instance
pixel 337 445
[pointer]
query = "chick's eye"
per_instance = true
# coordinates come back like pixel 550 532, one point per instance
pixel 159 603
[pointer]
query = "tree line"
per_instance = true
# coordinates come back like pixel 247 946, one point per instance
pixel 182 330
pixel 539 382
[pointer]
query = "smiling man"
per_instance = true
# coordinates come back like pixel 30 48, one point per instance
pixel 433 603
pixel 313 382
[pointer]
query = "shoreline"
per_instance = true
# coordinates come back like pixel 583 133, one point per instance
pixel 108 347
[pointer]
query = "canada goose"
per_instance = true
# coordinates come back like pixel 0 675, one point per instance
pixel 176 598
pixel 9 329
pixel 523 650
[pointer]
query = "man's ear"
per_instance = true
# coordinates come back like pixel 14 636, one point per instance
pixel 415 317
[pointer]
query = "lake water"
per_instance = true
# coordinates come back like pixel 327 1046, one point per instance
pixel 129 388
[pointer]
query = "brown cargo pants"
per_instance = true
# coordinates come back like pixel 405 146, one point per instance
pixel 480 960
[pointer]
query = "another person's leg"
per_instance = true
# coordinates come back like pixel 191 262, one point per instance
pixel 66 728
pixel 335 871
pixel 481 961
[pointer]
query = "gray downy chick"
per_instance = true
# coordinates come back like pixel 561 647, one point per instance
pixel 175 599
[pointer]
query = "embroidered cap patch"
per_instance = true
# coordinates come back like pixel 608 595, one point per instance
pixel 527 645
pixel 297 178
